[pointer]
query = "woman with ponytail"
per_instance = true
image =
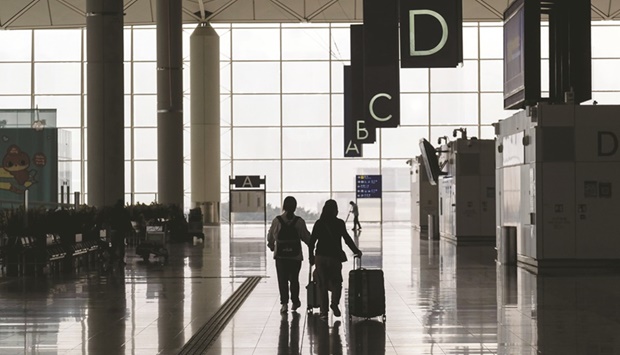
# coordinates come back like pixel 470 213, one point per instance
pixel 285 235
pixel 327 234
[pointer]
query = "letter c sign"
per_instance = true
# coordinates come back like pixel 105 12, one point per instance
pixel 371 107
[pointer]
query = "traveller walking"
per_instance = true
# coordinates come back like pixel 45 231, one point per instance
pixel 120 227
pixel 327 234
pixel 356 215
pixel 285 235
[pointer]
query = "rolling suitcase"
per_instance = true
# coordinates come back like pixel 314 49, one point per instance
pixel 366 292
pixel 312 292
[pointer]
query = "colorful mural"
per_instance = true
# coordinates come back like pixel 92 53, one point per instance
pixel 29 162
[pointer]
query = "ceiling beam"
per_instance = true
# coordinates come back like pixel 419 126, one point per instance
pixel 189 12
pixel 72 7
pixel 493 10
pixel 288 10
pixel 221 9
pixel 201 6
pixel 600 12
pixel 129 4
pixel 19 14
pixel 320 10
pixel 614 15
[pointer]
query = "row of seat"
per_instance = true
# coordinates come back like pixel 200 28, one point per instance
pixel 48 254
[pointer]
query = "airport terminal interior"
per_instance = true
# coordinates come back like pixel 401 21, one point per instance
pixel 493 225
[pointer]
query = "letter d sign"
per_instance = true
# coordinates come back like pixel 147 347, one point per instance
pixel 444 33
pixel 431 33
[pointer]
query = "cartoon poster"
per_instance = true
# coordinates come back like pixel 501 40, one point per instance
pixel 29 163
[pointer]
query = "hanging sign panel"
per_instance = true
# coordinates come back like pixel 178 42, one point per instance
pixel 381 64
pixel 247 181
pixel 363 132
pixel 431 33
pixel 352 148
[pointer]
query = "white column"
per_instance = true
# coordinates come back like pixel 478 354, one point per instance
pixel 205 121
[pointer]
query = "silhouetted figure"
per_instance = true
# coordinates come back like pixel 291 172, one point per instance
pixel 327 234
pixel 285 235
pixel 120 227
pixel 356 215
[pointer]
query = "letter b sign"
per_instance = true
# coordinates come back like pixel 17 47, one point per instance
pixel 431 33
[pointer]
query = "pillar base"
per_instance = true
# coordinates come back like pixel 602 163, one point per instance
pixel 210 212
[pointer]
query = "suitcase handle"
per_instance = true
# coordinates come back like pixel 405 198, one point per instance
pixel 359 258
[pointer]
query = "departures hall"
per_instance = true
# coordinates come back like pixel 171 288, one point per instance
pixel 311 177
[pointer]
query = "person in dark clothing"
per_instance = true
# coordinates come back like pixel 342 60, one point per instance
pixel 120 225
pixel 327 235
pixel 356 215
pixel 288 265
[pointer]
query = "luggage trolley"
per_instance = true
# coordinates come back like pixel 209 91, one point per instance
pixel 194 224
pixel 154 243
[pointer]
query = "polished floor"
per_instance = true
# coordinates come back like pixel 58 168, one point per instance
pixel 440 300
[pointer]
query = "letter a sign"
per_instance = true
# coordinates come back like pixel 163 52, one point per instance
pixel 431 33
pixel 352 145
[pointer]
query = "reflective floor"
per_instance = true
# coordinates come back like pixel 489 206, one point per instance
pixel 440 300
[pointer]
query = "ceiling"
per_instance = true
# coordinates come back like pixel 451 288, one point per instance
pixel 16 14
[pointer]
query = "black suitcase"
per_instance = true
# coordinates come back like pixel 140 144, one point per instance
pixel 366 292
pixel 312 292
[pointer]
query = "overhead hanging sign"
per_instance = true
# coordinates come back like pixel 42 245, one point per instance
pixel 352 147
pixel 431 33
pixel 363 133
pixel 247 181
pixel 381 64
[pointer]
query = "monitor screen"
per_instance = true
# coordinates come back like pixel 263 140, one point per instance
pixel 513 52
pixel 429 156
pixel 521 54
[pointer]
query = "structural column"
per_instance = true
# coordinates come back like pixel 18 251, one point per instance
pixel 205 121
pixel 169 102
pixel 105 103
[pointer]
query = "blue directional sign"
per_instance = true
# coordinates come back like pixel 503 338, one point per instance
pixel 368 186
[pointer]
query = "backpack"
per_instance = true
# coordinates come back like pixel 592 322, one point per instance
pixel 288 243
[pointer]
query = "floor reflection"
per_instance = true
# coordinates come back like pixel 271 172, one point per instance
pixel 107 314
pixel 440 299
pixel 248 250
pixel 559 311
pixel 367 336
pixel 289 341
pixel 323 338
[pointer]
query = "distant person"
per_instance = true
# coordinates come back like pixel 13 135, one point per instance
pixel 356 215
pixel 327 234
pixel 120 226
pixel 285 235
pixel 141 227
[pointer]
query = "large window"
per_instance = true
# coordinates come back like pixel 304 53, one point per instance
pixel 281 97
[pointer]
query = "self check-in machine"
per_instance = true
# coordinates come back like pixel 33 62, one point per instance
pixel 558 177
pixel 464 171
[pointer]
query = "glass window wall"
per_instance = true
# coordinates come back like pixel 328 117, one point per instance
pixel 281 104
